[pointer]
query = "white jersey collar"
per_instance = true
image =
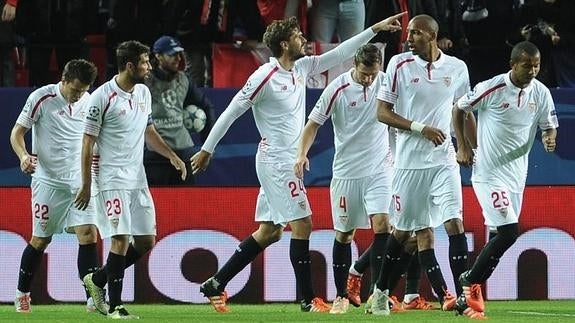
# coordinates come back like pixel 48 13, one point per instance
pixel 527 89
pixel 435 65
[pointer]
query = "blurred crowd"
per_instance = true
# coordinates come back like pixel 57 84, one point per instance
pixel 38 36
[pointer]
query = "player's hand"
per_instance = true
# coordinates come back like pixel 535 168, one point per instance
pixel 549 143
pixel 200 161
pixel 301 164
pixel 28 164
pixel 83 197
pixel 8 13
pixel 464 156
pixel 180 166
pixel 436 136
pixel 389 24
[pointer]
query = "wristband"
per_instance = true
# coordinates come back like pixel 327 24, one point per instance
pixel 416 126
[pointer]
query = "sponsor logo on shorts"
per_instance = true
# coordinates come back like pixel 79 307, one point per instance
pixel 503 211
pixel 302 205
pixel 114 222
pixel 343 218
pixel 43 225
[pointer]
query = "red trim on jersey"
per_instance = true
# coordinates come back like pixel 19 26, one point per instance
pixel 428 66
pixel 275 69
pixel 519 98
pixel 400 64
pixel 486 93
pixel 37 105
pixel 339 89
pixel 70 109
pixel 108 104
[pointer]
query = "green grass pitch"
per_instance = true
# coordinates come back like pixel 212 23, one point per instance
pixel 497 311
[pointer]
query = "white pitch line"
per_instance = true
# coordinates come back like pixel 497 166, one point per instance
pixel 542 314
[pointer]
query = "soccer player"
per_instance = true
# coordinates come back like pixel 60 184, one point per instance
pixel 55 113
pixel 510 107
pixel 119 121
pixel 276 92
pixel 360 189
pixel 419 90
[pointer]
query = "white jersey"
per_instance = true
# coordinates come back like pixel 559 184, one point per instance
pixel 57 130
pixel 508 117
pixel 119 120
pixel 277 99
pixel 424 92
pixel 361 141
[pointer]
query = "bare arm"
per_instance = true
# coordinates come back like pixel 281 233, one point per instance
pixel 157 144
pixel 548 137
pixel 386 115
pixel 308 136
pixel 27 162
pixel 83 197
pixel 464 153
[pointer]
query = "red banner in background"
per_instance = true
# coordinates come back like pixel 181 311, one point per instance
pixel 199 228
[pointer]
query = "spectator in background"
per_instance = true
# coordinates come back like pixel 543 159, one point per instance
pixel 375 10
pixel 345 18
pixel 172 92
pixel 52 25
pixel 7 43
pixel 131 20
pixel 550 25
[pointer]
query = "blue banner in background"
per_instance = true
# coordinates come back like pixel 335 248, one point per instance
pixel 233 161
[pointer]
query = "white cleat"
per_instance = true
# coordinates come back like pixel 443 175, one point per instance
pixel 339 306
pixel 380 302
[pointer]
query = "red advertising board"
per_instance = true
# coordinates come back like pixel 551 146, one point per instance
pixel 199 228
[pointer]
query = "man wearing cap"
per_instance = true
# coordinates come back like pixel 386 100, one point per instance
pixel 172 91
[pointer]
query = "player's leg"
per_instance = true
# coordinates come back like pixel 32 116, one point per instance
pixel 29 263
pixel 87 260
pixel 83 224
pixel 495 199
pixel 448 202
pixel 341 255
pixel 49 208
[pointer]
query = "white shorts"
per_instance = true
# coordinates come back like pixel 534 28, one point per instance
pixel 53 210
pixel 425 198
pixel 354 200
pixel 128 212
pixel 500 206
pixel 282 197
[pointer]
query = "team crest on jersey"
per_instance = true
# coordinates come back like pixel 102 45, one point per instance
pixel 447 80
pixel 353 104
pixel 532 107
pixel 504 105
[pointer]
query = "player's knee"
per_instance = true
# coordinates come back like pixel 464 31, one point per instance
pixel 344 237
pixel 86 234
pixel 275 236
pixel 453 226
pixel 40 243
pixel 380 223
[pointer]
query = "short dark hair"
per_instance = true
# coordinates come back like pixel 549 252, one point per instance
pixel 278 31
pixel 81 70
pixel 129 52
pixel 368 55
pixel 523 47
